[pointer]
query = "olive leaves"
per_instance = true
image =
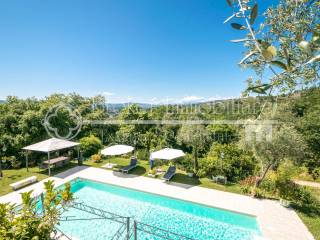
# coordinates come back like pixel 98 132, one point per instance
pixel 287 42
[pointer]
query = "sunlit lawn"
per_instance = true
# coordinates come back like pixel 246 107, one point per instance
pixel 180 177
pixel 14 175
pixel 310 216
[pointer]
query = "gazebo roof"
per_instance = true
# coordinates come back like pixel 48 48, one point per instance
pixel 51 145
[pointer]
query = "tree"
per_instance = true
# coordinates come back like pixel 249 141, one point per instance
pixel 224 134
pixel 195 136
pixel 132 131
pixel 90 145
pixel 27 222
pixel 228 160
pixel 286 143
pixel 285 46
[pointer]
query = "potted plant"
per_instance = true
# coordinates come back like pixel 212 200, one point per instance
pixel 285 203
pixel 285 188
pixel 96 158
pixel 189 171
pixel 152 173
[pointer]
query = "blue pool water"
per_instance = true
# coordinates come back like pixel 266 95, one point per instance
pixel 182 217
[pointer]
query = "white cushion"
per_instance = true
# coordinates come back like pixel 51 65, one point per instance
pixel 23 182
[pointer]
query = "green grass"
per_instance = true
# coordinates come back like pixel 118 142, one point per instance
pixel 15 175
pixel 311 219
pixel 180 177
pixel 311 216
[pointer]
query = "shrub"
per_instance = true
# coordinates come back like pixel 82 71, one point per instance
pixel 143 154
pixel 186 163
pixel 316 173
pixel 259 193
pixel 12 162
pixel 96 158
pixel 289 190
pixel 230 161
pixel 25 222
pixel 90 145
pixel 247 185
pixel 269 184
pixel 153 172
pixel 300 195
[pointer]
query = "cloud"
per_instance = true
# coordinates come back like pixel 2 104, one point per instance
pixel 215 98
pixel 108 94
pixel 192 99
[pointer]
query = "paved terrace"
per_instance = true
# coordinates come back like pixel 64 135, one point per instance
pixel 275 221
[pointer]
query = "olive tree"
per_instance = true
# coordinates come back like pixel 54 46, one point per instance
pixel 284 47
pixel 285 144
pixel 195 136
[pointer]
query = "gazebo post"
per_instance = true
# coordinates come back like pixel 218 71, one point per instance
pixel 49 170
pixel 27 163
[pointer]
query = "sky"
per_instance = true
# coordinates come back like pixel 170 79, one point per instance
pixel 127 50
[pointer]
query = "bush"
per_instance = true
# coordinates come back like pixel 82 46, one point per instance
pixel 316 173
pixel 247 185
pixel 186 163
pixel 90 145
pixel 228 160
pixel 96 158
pixel 300 195
pixel 269 184
pixel 11 162
pixel 153 172
pixel 291 191
pixel 143 154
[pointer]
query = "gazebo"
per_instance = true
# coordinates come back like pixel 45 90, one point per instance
pixel 49 146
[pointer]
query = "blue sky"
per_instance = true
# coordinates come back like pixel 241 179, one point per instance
pixel 130 50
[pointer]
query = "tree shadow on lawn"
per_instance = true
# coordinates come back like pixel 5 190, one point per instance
pixel 310 211
pixel 185 179
pixel 14 177
pixel 137 171
pixel 61 169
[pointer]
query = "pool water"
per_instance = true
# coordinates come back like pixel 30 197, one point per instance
pixel 189 219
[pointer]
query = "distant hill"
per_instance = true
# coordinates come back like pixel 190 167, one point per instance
pixel 120 106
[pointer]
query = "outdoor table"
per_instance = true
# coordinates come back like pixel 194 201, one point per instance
pixel 59 161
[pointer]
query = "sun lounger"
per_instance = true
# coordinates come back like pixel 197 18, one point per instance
pixel 23 182
pixel 170 173
pixel 133 164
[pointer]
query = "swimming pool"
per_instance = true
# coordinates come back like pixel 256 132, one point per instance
pixel 189 219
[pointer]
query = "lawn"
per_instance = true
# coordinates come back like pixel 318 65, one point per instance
pixel 14 175
pixel 180 177
pixel 310 216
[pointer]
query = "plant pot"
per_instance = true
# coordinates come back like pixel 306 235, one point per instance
pixel 285 203
pixel 190 174
pixel 80 162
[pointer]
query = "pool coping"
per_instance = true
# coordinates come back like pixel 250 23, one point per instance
pixel 275 222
